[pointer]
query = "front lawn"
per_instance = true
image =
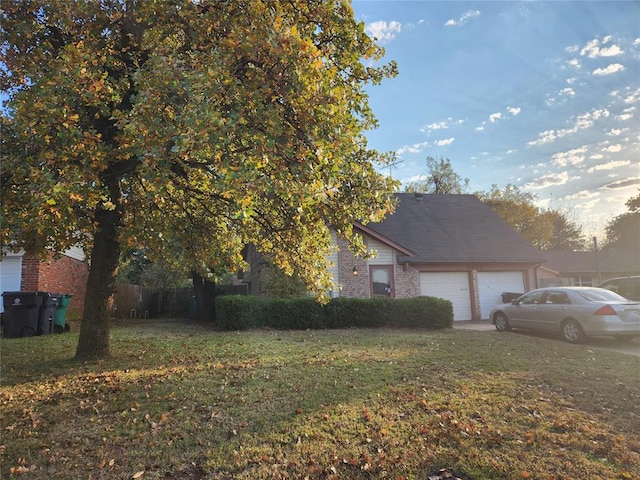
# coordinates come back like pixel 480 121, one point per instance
pixel 180 401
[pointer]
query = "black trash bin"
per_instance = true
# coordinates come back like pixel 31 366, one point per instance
pixel 21 314
pixel 47 312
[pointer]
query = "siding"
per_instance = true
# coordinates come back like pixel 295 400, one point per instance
pixel 384 253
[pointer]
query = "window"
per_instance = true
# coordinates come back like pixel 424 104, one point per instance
pixel 557 298
pixel 532 298
pixel 381 280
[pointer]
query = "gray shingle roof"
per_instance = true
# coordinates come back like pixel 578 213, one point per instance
pixel 453 228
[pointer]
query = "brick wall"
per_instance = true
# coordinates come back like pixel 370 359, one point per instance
pixel 65 275
pixel 354 286
pixel 407 281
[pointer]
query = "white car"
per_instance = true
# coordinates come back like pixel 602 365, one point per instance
pixel 574 312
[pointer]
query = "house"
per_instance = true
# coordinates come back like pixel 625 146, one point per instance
pixel 64 275
pixel 448 246
pixel 586 268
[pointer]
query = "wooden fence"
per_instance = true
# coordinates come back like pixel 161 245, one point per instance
pixel 134 301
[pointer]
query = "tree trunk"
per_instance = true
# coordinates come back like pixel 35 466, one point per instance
pixel 204 291
pixel 94 329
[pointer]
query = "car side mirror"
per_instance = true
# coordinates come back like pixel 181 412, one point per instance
pixel 515 302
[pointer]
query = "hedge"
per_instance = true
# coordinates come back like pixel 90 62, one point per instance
pixel 249 312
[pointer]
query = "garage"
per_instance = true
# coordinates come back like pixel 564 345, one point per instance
pixel 10 274
pixel 452 286
pixel 491 285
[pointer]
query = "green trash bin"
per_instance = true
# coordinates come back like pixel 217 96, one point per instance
pixel 60 324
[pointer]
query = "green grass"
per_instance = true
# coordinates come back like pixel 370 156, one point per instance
pixel 180 401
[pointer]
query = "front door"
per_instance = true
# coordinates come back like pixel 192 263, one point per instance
pixel 382 281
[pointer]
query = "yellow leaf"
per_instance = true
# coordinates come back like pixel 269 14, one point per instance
pixel 138 474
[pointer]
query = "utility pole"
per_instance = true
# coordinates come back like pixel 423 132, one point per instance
pixel 595 249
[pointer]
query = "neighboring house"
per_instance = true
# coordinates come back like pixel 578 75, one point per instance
pixel 65 275
pixel 586 268
pixel 448 246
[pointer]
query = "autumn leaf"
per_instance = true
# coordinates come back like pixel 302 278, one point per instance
pixel 138 475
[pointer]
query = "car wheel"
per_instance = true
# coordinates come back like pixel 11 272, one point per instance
pixel 572 331
pixel 501 322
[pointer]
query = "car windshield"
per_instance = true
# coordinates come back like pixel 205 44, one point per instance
pixel 601 295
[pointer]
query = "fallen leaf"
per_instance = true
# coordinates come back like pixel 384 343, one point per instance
pixel 138 474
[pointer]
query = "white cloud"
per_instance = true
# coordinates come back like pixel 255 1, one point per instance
pixel 596 156
pixel 480 128
pixel 548 181
pixel 570 157
pixel 613 148
pixel 435 126
pixel 544 137
pixel 463 19
pixel 444 142
pixel 383 31
pixel 415 148
pixel 593 49
pixel 565 92
pixel 627 182
pixel 494 117
pixel 582 122
pixel 609 165
pixel 624 116
pixel 441 125
pixel 514 110
pixel 633 97
pixel 608 70
pixel 583 195
pixel 574 62
pixel 615 132
pixel 636 42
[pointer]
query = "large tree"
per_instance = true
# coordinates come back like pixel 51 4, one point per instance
pixel 623 231
pixel 544 229
pixel 187 129
pixel 440 178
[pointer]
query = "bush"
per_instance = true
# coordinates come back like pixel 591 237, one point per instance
pixel 245 312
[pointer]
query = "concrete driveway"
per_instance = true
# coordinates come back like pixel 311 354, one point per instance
pixel 602 343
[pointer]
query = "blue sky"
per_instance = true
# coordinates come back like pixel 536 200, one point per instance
pixel 541 95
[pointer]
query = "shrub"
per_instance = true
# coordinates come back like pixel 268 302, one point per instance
pixel 245 312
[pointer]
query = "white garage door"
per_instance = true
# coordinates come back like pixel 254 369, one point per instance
pixel 452 286
pixel 10 275
pixel 492 285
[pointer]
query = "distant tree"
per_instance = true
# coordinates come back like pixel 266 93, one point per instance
pixel 280 285
pixel 623 231
pixel 517 208
pixel 544 229
pixel 440 178
pixel 188 129
pixel 567 235
pixel 136 268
